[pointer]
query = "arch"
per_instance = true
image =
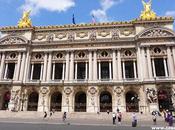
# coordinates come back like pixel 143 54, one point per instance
pixel 164 100
pixel 33 101
pixel 132 101
pixel 6 100
pixel 154 32
pixel 80 102
pixel 105 101
pixel 56 101
pixel 13 38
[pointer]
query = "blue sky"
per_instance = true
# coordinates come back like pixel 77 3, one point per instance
pixel 59 12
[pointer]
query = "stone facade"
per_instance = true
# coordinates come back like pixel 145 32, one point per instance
pixel 128 66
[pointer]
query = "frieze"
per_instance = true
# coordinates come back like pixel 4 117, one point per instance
pixel 60 35
pixel 82 34
pixel 103 33
pixel 13 40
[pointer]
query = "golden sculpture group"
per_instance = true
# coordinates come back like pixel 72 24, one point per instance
pixel 147 13
pixel 25 21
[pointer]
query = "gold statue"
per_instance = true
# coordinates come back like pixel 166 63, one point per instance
pixel 147 13
pixel 25 21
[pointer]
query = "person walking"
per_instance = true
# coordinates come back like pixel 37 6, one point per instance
pixel 113 118
pixel 119 116
pixel 64 116
pixel 134 120
pixel 154 119
pixel 170 119
pixel 45 115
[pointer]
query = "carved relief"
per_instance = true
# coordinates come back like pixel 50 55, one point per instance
pixel 44 90
pixel 71 36
pixel 12 56
pixel 104 54
pixel 92 90
pixel 59 55
pixel 115 34
pixel 158 51
pixel 103 33
pixel 81 34
pixel 118 91
pixel 40 36
pixel 37 56
pixel 50 37
pixel 129 53
pixel 126 32
pixel 67 91
pixel 93 36
pixel 81 55
pixel 13 40
pixel 151 94
pixel 60 35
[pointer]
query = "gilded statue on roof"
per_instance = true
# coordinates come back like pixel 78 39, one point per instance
pixel 147 13
pixel 25 21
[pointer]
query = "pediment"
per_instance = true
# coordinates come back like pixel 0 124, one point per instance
pixel 156 32
pixel 8 40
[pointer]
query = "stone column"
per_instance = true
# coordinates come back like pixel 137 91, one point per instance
pixel 149 63
pixel 170 63
pixel 5 74
pixel 67 67
pixel 53 72
pixel 2 65
pixel 22 66
pixel 71 74
pixel 110 71
pixel 144 63
pixel 49 67
pixel 99 70
pixel 41 73
pixel 95 66
pixel 75 70
pixel 135 71
pixel 27 66
pixel 31 75
pixel 154 70
pixel 86 73
pixel 90 65
pixel 119 69
pixel 165 67
pixel 139 65
pixel 173 50
pixel 123 65
pixel 63 71
pixel 114 65
pixel 45 67
pixel 17 70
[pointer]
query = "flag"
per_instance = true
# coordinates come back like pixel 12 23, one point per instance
pixel 93 19
pixel 73 19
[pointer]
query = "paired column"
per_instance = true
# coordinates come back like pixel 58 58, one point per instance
pixel 90 65
pixel 114 65
pixel 71 74
pixel 119 69
pixel 49 67
pixel 63 71
pixel 41 72
pixel 99 70
pixel 170 62
pixel 22 66
pixel 149 63
pixel 144 64
pixel 32 68
pixel 2 65
pixel 173 50
pixel 6 67
pixel 110 71
pixel 86 73
pixel 95 66
pixel 135 70
pixel 27 64
pixel 165 67
pixel 76 70
pixel 45 67
pixel 154 70
pixel 123 65
pixel 17 68
pixel 53 72
pixel 139 65
pixel 67 66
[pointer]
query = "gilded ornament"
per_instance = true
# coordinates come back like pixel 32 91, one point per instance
pixel 25 21
pixel 147 13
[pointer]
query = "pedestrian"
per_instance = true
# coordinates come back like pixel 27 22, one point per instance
pixel 134 120
pixel 108 112
pixel 113 118
pixel 64 116
pixel 154 119
pixel 45 115
pixel 51 113
pixel 119 116
pixel 170 119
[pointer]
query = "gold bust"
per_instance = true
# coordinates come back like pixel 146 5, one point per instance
pixel 25 21
pixel 147 13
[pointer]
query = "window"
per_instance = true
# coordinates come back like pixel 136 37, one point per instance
pixel 36 71
pixel 159 67
pixel 105 70
pixel 58 70
pixel 10 70
pixel 129 69
pixel 81 67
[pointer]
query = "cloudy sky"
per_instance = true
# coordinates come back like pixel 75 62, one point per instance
pixel 59 12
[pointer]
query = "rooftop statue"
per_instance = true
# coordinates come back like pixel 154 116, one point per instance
pixel 147 13
pixel 25 21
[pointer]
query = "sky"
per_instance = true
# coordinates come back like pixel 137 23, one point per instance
pixel 60 12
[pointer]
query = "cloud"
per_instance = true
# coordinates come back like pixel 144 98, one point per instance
pixel 170 13
pixel 50 5
pixel 101 13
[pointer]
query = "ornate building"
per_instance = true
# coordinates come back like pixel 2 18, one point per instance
pixel 128 66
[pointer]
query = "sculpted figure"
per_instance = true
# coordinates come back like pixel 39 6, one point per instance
pixel 25 20
pixel 151 95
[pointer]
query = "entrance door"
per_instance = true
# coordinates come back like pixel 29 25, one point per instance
pixel 80 102
pixel 56 100
pixel 33 102
pixel 132 102
pixel 6 100
pixel 164 99
pixel 105 102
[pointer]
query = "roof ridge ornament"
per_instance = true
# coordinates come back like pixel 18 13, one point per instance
pixel 25 21
pixel 147 13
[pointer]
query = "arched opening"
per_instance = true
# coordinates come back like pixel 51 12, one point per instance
pixel 132 102
pixel 164 100
pixel 56 100
pixel 6 100
pixel 105 101
pixel 80 102
pixel 33 101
